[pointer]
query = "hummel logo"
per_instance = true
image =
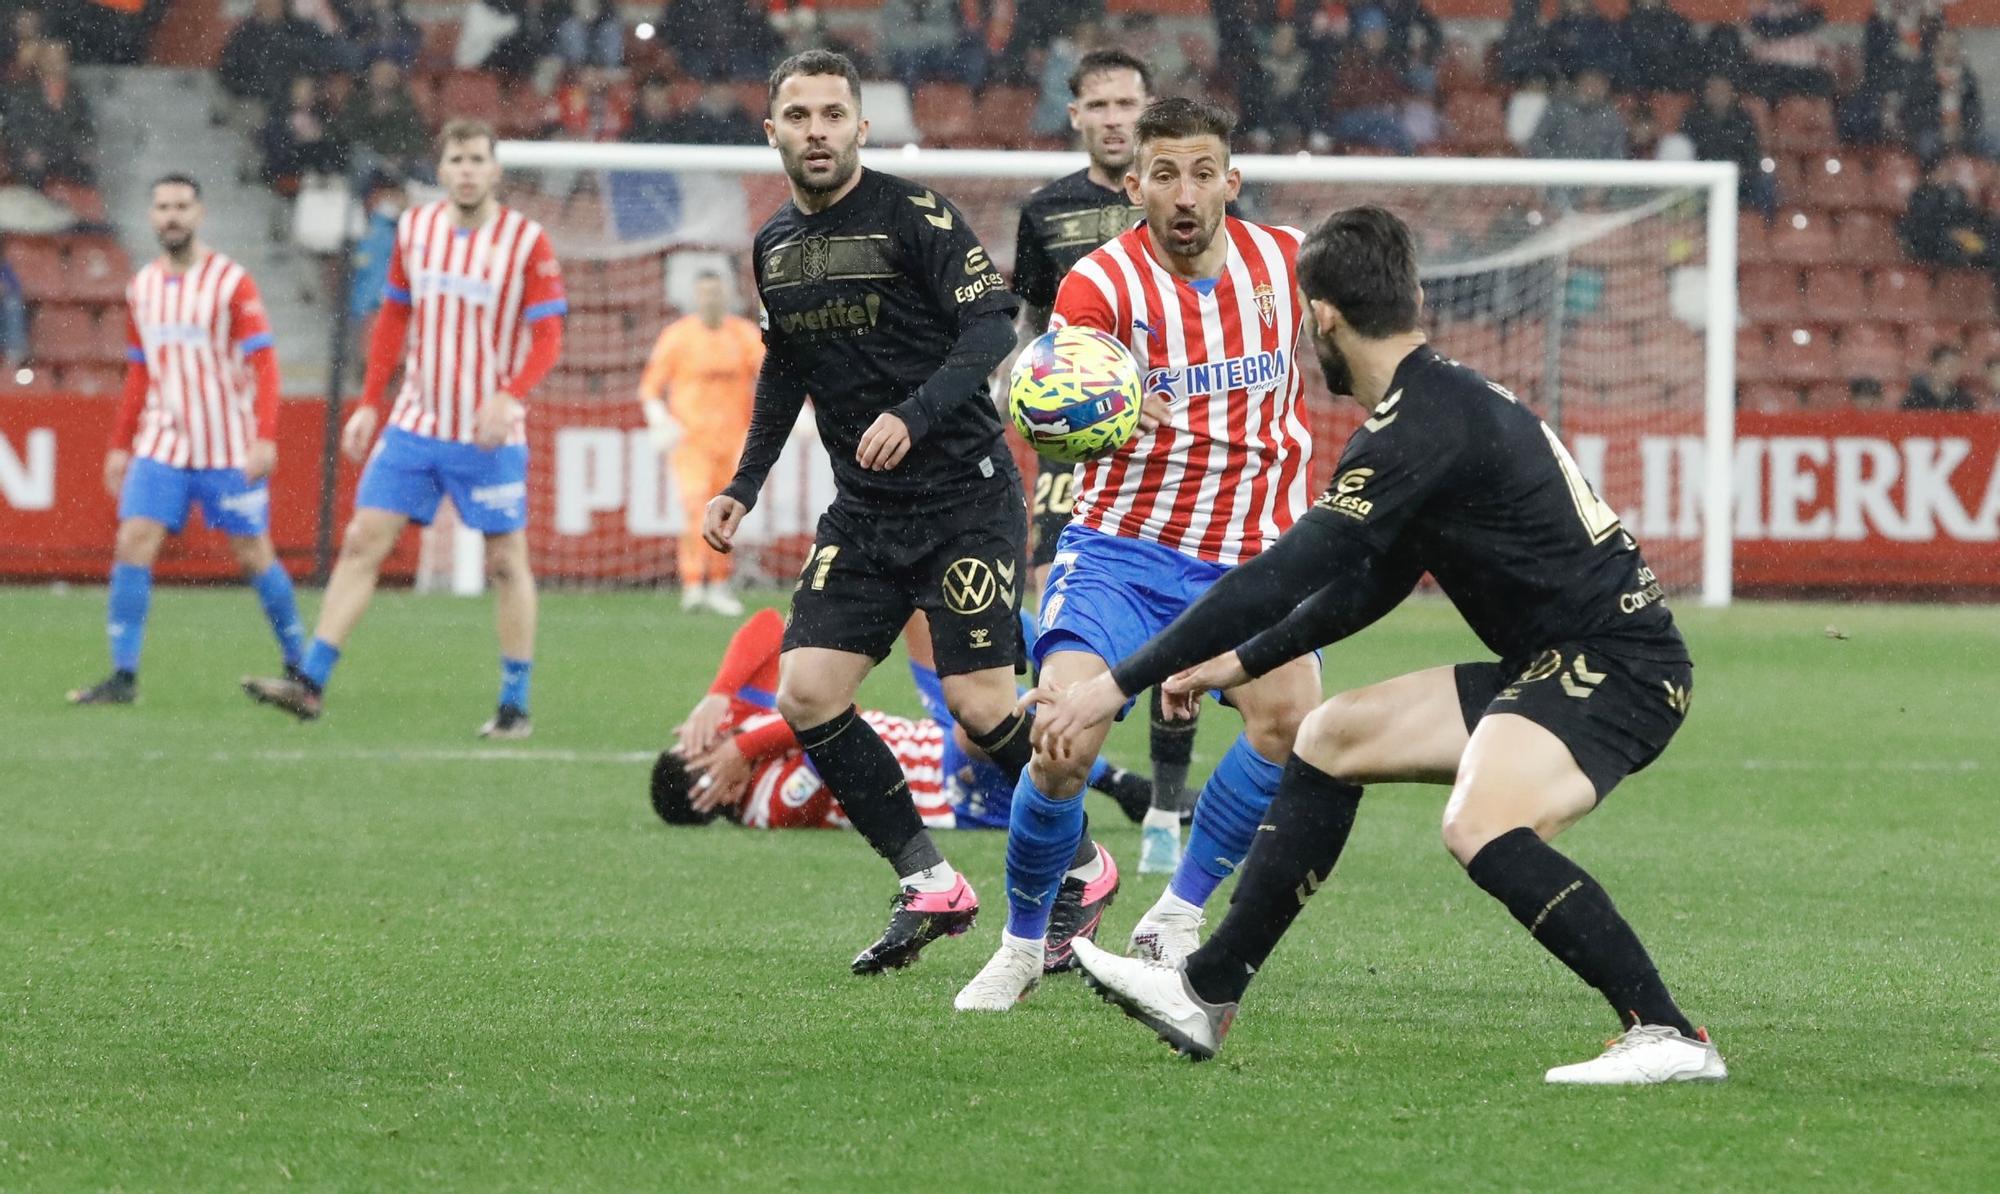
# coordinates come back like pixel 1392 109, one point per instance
pixel 928 202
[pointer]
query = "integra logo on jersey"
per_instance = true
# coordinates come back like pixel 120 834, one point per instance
pixel 834 315
pixel 438 283
pixel 160 335
pixel 1258 371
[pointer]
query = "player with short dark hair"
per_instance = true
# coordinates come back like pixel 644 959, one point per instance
pixel 1449 475
pixel 198 423
pixel 473 316
pixel 1207 304
pixel 880 300
pixel 1060 224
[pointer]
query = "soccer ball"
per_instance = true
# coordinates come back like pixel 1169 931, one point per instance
pixel 1074 394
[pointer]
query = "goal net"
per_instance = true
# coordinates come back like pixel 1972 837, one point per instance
pixel 1602 294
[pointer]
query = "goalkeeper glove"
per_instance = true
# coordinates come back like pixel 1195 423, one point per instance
pixel 664 429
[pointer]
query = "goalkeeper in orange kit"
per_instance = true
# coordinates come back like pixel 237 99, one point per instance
pixel 697 391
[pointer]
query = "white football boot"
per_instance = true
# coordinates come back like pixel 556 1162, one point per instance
pixel 724 602
pixel 1159 997
pixel 1010 976
pixel 694 596
pixel 1645 1055
pixel 1160 842
pixel 1165 937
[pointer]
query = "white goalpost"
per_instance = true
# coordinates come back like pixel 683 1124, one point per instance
pixel 1602 293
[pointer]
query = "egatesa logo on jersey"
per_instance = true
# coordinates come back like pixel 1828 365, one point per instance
pixel 1258 371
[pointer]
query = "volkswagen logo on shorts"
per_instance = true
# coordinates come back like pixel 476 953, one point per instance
pixel 968 586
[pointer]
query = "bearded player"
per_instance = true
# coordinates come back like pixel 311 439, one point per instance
pixel 1208 302
pixel 1449 475
pixel 198 423
pixel 479 284
pixel 1060 224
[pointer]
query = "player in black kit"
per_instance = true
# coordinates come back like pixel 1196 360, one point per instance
pixel 1060 224
pixel 1449 475
pixel 881 303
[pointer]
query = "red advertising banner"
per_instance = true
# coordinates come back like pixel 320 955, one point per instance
pixel 1826 501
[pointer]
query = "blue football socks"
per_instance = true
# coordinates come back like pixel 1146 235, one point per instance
pixel 318 664
pixel 1226 816
pixel 281 610
pixel 1042 837
pixel 514 675
pixel 125 623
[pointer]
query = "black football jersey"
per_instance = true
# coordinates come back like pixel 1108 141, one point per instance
pixel 862 304
pixel 1060 224
pixel 1452 475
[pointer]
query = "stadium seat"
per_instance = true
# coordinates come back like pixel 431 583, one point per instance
pixel 1901 295
pixel 946 114
pixel 81 198
pixel 1964 296
pixel 39 267
pixel 1802 124
pixel 1767 397
pixel 1895 175
pixel 1836 293
pixel 1865 238
pixel 64 333
pixel 588 285
pixel 1982 344
pixel 1871 350
pixel 95 270
pixel 1791 175
pixel 1769 293
pixel 93 379
pixel 1475 123
pixel 1803 237
pixel 1668 109
pixel 471 94
pixel 1007 114
pixel 1829 395
pixel 1460 68
pixel 1835 183
pixel 1753 354
pixel 1753 240
pixel 1803 355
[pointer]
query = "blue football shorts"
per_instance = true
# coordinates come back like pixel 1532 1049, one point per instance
pixel 229 502
pixel 409 474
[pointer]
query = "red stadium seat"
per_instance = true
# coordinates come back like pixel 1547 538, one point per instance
pixel 95 270
pixel 1476 122
pixel 1753 240
pixel 93 379
pixel 1668 109
pixel 80 198
pixel 1890 183
pixel 1864 238
pixel 1836 294
pixel 1835 183
pixel 1006 114
pixel 39 266
pixel 1964 296
pixel 1871 350
pixel 1460 68
pixel 1803 355
pixel 1767 397
pixel 1982 344
pixel 1802 124
pixel 1901 295
pixel 1769 293
pixel 946 114
pixel 64 333
pixel 1803 237
pixel 472 95
pixel 1829 395
pixel 1753 354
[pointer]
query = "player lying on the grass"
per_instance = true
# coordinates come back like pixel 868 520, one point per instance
pixel 734 751
pixel 198 423
pixel 473 315
pixel 1208 304
pixel 1449 475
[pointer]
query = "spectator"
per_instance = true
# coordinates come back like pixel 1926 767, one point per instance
pixel 1286 114
pixel 530 51
pixel 1413 31
pixel 49 126
pixel 13 319
pixel 379 29
pixel 1942 386
pixel 296 138
pixel 1239 51
pixel 592 35
pixel 261 57
pixel 1581 37
pixel 381 119
pixel 23 44
pixel 1896 42
pixel 1369 89
pixel 924 41
pixel 1526 107
pixel 1864 393
pixel 1522 52
pixel 1661 47
pixel 1582 124
pixel 653 118
pixel 588 108
pixel 708 37
pixel 1782 39
pixel 1945 112
pixel 1721 130
pixel 715 119
pixel 1052 97
pixel 386 201
pixel 1642 130
pixel 1942 226
pixel 990 25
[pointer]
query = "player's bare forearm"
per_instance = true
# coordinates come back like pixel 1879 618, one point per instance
pixel 984 340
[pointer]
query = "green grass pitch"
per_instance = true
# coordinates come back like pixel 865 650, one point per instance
pixel 372 954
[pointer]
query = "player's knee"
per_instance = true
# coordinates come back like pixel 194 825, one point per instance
pixel 138 541
pixel 506 567
pixel 802 705
pixel 366 542
pixel 252 553
pixel 1334 736
pixel 1277 723
pixel 1467 830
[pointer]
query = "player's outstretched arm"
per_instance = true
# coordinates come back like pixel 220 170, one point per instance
pixel 1354 601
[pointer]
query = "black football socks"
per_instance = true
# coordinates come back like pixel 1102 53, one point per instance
pixel 1007 744
pixel 1293 853
pixel 1172 750
pixel 862 773
pixel 1574 919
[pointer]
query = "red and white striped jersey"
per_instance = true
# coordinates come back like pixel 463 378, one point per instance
pixel 786 793
pixel 472 294
pixel 192 331
pixel 1228 474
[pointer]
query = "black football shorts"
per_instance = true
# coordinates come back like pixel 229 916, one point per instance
pixel 964 567
pixel 1615 710
pixel 1055 497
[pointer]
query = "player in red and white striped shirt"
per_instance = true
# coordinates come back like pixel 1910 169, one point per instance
pixel 473 315
pixel 1209 304
pixel 197 423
